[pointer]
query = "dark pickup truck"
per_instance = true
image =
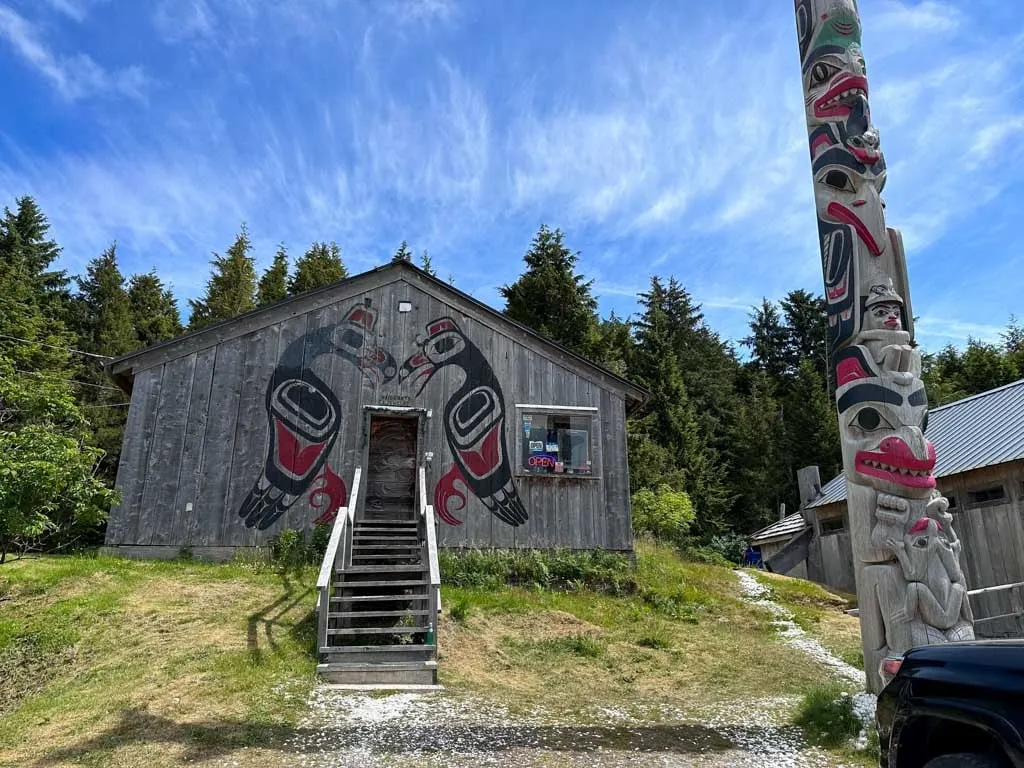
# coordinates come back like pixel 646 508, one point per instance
pixel 958 704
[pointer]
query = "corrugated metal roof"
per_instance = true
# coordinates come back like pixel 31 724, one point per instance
pixel 972 433
pixel 785 528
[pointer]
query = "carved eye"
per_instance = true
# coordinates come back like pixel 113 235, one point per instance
pixel 822 73
pixel 839 180
pixel 921 543
pixel 869 419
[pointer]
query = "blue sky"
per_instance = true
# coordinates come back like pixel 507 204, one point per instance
pixel 662 137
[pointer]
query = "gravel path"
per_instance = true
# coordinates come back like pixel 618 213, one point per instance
pixel 441 729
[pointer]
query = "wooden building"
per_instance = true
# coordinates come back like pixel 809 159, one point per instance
pixel 257 424
pixel 980 469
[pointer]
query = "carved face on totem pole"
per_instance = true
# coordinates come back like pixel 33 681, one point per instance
pixel 882 421
pixel 848 167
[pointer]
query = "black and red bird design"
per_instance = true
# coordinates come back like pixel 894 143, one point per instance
pixel 305 415
pixel 474 416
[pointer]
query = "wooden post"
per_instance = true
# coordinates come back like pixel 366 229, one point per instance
pixel 899 524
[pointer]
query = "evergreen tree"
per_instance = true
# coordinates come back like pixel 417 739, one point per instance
pixel 671 422
pixel 404 253
pixel 105 308
pixel 155 315
pixel 759 468
pixel 106 328
pixel 231 289
pixel 1013 343
pixel 806 321
pixel 274 284
pixel 551 298
pixel 321 265
pixel 427 265
pixel 769 340
pixel 34 301
pixel 614 349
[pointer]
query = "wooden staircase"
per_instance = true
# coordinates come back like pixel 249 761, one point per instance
pixel 378 601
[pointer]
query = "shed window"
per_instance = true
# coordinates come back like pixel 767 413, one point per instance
pixel 832 525
pixel 557 442
pixel 982 496
pixel 952 500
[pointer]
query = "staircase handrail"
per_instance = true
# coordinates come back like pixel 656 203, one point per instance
pixel 430 525
pixel 338 555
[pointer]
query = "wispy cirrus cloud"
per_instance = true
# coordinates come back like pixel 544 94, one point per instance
pixel 661 141
pixel 74 76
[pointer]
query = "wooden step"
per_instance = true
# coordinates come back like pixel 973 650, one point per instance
pixel 372 614
pixel 405 583
pixel 367 649
pixel 415 547
pixel 381 598
pixel 387 665
pixel 398 568
pixel 377 631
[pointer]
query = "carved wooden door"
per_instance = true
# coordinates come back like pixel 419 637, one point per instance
pixel 391 468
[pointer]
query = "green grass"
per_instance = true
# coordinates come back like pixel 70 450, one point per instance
pixel 125 663
pixel 682 637
pixel 107 661
pixel 827 718
pixel 820 613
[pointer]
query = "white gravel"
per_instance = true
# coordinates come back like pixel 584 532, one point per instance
pixel 863 703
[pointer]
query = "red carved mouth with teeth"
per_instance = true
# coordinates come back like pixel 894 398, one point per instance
pixel 830 104
pixel 896 463
pixel 841 213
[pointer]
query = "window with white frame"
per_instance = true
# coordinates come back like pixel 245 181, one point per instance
pixel 556 440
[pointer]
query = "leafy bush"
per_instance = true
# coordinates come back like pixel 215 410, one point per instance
pixel 557 569
pixel 731 546
pixel 48 485
pixel 706 555
pixel 459 610
pixel 827 718
pixel 293 550
pixel 664 513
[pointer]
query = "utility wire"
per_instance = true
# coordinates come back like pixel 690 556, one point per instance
pixel 69 381
pixel 52 346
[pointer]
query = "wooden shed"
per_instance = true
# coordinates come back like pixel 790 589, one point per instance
pixel 255 425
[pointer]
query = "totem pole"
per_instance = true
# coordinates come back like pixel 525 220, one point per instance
pixel 906 555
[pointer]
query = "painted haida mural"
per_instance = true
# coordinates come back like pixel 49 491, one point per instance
pixel 304 418
pixel 474 425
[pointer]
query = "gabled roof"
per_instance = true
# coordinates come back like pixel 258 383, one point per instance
pixel 123 368
pixel 786 529
pixel 978 431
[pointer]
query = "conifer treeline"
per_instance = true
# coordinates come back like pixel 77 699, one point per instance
pixel 729 431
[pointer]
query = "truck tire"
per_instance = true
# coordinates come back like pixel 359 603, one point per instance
pixel 963 760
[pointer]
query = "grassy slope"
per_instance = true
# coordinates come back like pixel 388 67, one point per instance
pixel 688 643
pixel 124 663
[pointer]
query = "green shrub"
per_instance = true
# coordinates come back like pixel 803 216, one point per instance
pixel 826 717
pixel 731 546
pixel 292 550
pixel 663 512
pixel 598 570
pixel 459 609
pixel 706 555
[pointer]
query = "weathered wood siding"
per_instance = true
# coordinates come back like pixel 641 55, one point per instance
pixel 198 428
pixel 992 535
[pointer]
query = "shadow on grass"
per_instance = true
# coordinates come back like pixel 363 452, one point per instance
pixel 271 617
pixel 203 740
pixel 215 738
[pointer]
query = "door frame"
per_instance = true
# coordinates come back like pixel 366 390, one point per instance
pixel 396 412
